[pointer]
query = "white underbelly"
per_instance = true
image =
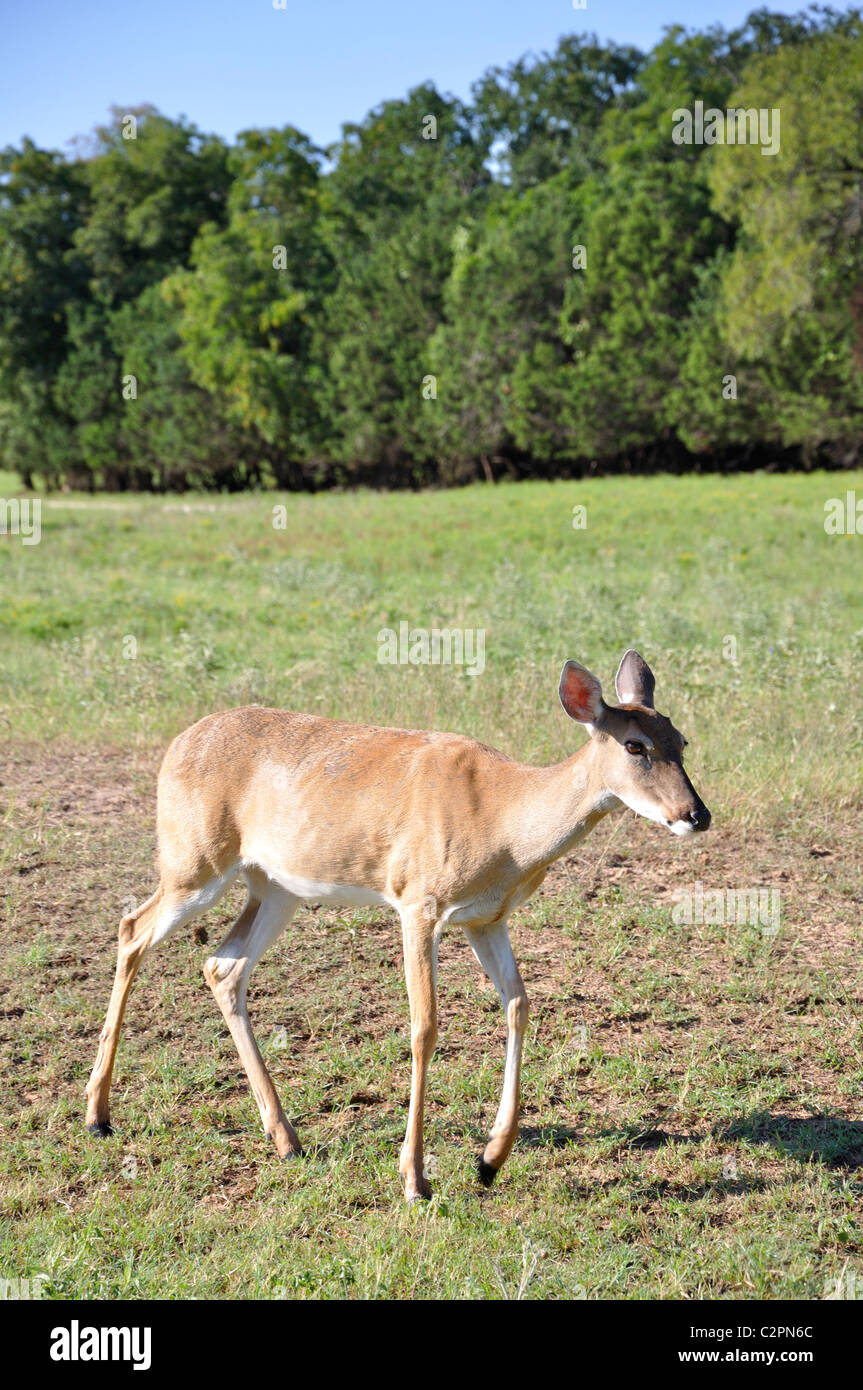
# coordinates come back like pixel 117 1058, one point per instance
pixel 315 890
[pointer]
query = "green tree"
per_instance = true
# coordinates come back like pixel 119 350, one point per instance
pixel 500 343
pixel 43 204
pixel 252 293
pixel 542 116
pixel 152 187
pixel 404 179
pixel 792 294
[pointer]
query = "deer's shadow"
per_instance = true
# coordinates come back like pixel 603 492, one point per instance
pixel 830 1140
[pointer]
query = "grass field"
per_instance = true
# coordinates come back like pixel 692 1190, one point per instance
pixel 692 1113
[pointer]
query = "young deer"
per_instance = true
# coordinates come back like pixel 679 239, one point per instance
pixel 439 827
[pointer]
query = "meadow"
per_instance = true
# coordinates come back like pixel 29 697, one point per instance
pixel 692 1120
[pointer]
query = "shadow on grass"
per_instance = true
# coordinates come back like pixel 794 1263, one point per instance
pixel 628 1136
pixel 828 1139
pixel 547 1136
pixel 663 1189
pixel 646 1136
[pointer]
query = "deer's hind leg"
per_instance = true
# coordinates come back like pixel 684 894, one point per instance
pixel 140 930
pixel 420 938
pixel 267 913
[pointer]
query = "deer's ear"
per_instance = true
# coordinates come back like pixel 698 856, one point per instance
pixel 634 681
pixel 580 693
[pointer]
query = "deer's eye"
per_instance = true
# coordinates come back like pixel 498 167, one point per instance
pixel 636 749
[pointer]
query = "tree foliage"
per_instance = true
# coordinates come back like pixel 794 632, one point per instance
pixel 541 280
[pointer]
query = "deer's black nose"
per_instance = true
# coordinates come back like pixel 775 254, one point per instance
pixel 700 818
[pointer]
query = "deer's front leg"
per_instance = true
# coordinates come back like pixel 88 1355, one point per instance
pixel 420 935
pixel 491 947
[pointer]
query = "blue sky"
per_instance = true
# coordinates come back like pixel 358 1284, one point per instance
pixel 230 64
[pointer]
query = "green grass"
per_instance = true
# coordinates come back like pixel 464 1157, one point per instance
pixel 220 609
pixel 691 1094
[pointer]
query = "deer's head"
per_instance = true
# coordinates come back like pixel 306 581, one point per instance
pixel 638 756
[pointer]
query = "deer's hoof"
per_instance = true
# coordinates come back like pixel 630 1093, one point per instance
pixel 102 1130
pixel 292 1154
pixel 485 1172
pixel 417 1189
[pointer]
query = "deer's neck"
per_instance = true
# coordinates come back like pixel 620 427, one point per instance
pixel 557 807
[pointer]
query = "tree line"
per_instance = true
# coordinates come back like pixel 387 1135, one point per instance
pixel 575 271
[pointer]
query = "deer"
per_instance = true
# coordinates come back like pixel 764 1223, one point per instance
pixel 439 827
